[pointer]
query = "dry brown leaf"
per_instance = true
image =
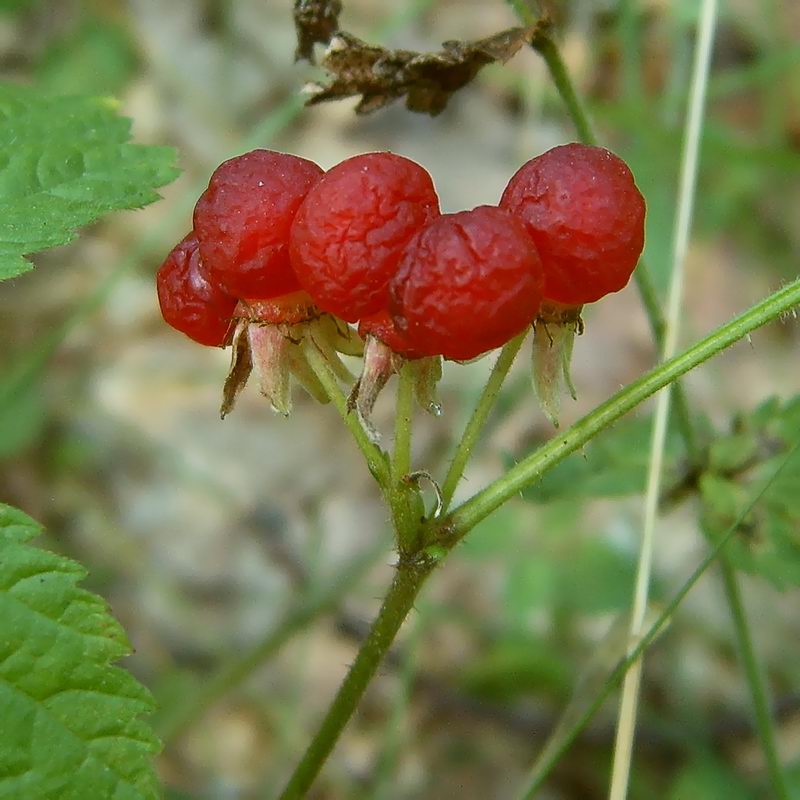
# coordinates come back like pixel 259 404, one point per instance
pixel 315 21
pixel 427 80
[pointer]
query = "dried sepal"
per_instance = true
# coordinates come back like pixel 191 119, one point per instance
pixel 379 364
pixel 241 366
pixel 315 21
pixel 271 354
pixel 426 80
pixel 554 336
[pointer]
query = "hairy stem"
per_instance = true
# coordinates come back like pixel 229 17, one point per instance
pixel 530 469
pixel 479 416
pixel 755 679
pixel 399 600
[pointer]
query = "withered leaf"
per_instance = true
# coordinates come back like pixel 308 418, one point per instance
pixel 315 21
pixel 427 80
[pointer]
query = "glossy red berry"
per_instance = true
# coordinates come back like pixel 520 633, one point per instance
pixel 586 216
pixel 467 283
pixel 242 221
pixel 351 229
pixel 382 327
pixel 190 302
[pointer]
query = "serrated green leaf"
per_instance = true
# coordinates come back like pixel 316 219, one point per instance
pixel 613 464
pixel 64 162
pixel 70 719
pixel 768 542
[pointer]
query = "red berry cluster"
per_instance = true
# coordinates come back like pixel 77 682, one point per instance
pixel 277 241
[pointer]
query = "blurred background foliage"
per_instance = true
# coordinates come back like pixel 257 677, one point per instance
pixel 204 535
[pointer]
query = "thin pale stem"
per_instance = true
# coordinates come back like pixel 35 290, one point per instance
pixel 479 416
pixel 755 680
pixel 626 726
pixel 317 603
pixel 399 600
pixel 544 766
pixel 375 457
pixel 530 469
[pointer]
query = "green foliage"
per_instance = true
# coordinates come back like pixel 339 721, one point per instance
pixel 768 543
pixel 708 778
pixel 71 720
pixel 516 666
pixel 66 161
pixel 613 464
pixel 96 58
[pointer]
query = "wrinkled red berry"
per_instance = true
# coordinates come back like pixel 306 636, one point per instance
pixel 586 216
pixel 382 327
pixel 189 301
pixel 467 283
pixel 242 221
pixel 351 229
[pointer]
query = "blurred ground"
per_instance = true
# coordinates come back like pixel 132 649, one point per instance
pixel 202 533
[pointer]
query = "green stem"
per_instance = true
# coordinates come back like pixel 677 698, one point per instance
pixel 375 457
pixel 479 416
pixel 401 460
pixel 399 600
pixel 755 679
pixel 465 517
pixel 548 50
pixel 309 609
pixel 553 754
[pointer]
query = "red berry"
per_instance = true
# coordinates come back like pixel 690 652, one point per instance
pixel 189 301
pixel 585 214
pixel 242 221
pixel 351 229
pixel 467 283
pixel 382 327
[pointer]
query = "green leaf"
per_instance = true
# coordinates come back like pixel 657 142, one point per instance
pixel 64 162
pixel 768 541
pixel 613 464
pixel 70 719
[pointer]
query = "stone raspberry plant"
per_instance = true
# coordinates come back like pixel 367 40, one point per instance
pixel 425 289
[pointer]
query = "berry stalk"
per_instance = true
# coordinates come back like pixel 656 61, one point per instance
pixel 375 457
pixel 479 417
